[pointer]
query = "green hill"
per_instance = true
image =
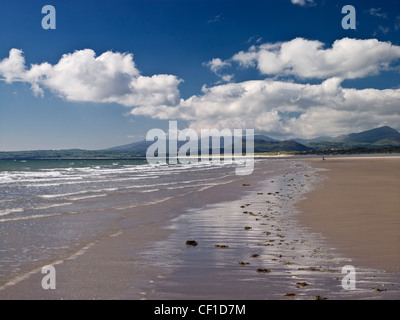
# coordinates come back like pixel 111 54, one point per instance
pixel 382 137
pixel 261 146
pixel 371 136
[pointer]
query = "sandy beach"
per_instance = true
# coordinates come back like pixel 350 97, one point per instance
pixel 357 208
pixel 251 245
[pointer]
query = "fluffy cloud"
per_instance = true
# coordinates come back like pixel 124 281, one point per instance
pixel 347 58
pixel 282 108
pixel 216 65
pixel 285 109
pixel 13 67
pixel 81 76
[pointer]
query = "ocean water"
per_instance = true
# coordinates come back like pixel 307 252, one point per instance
pixel 38 188
pixel 51 208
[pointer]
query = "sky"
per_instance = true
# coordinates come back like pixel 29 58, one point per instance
pixel 111 71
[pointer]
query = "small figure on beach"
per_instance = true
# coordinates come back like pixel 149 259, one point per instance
pixel 323 158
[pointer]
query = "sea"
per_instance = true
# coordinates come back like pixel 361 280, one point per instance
pixel 34 189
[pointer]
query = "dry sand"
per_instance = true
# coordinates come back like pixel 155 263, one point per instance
pixel 357 209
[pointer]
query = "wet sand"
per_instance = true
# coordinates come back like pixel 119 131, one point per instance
pixel 357 208
pixel 254 248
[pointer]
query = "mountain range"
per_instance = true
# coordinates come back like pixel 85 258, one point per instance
pixel 376 138
pixel 382 139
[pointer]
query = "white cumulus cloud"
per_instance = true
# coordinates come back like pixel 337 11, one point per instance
pixel 216 65
pixel 285 109
pixel 13 67
pixel 347 58
pixel 83 76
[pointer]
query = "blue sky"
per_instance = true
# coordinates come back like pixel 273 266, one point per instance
pixel 270 65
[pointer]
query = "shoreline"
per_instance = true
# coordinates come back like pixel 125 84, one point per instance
pixel 145 256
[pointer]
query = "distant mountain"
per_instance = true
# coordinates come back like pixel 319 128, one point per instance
pixel 141 147
pixel 264 138
pixel 261 146
pixel 318 139
pixel 382 137
pixel 370 136
pixel 136 147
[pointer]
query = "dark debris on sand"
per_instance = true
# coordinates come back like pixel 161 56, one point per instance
pixel 191 243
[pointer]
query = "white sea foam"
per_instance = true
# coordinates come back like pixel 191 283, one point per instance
pixel 36 216
pixel 55 205
pixel 88 197
pixel 7 212
pixel 10 211
pixel 62 195
pixel 52 196
pixel 143 204
pixel 87 182
pixel 9 200
pixel 150 190
pixel 61 176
